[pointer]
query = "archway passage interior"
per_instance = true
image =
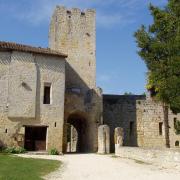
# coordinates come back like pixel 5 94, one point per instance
pixel 76 134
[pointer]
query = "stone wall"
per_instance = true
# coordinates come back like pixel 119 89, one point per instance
pixel 120 111
pixel 141 119
pixel 165 157
pixel 45 69
pixel 149 118
pixel 22 84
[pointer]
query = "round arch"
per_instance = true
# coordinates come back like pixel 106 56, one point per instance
pixel 77 133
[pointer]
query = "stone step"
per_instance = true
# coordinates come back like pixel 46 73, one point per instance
pixel 37 152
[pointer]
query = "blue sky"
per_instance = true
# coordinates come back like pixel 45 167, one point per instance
pixel 119 68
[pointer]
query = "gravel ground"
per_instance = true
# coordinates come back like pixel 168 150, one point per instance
pixel 106 167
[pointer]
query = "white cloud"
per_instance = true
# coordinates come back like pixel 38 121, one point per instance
pixel 38 11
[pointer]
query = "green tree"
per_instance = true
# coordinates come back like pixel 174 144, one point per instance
pixel 159 47
pixel 128 93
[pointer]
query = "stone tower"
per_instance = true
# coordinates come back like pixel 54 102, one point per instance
pixel 74 33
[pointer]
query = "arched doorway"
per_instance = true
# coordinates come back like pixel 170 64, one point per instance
pixel 76 133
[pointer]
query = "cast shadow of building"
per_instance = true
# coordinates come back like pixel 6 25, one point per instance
pixel 120 111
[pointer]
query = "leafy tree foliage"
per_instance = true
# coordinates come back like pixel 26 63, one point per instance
pixel 159 47
pixel 128 93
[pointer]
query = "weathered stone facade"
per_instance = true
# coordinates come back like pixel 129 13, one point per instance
pixel 120 111
pixel 141 119
pixel 22 79
pixel 74 32
pixel 150 125
pixel 76 107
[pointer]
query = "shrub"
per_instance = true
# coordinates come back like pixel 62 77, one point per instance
pixel 53 151
pixel 20 150
pixel 10 150
pixel 1 148
pixel 14 150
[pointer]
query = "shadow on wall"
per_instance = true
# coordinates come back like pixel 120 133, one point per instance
pixel 2 145
pixel 83 110
pixel 120 111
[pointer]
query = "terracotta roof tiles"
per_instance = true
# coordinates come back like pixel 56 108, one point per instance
pixel 26 48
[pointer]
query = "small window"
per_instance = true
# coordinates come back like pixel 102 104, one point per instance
pixel 47 93
pixel 131 128
pixel 175 121
pixel 76 90
pixel 177 143
pixel 160 128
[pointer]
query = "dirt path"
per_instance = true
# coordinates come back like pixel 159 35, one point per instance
pixel 106 167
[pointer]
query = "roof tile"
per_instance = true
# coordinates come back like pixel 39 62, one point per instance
pixel 26 48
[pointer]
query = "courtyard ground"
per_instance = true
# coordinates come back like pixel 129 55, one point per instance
pixel 107 167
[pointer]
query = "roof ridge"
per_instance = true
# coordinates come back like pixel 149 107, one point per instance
pixel 29 48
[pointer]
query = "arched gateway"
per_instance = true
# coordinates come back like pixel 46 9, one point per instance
pixel 77 129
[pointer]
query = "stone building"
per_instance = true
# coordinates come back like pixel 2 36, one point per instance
pixel 32 83
pixel 141 119
pixel 50 100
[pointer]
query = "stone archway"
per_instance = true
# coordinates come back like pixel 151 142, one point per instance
pixel 77 133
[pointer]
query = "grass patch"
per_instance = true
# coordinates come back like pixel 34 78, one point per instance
pixel 18 168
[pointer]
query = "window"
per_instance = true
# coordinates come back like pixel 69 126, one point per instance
pixel 160 128
pixel 177 143
pixel 131 128
pixel 47 93
pixel 76 90
pixel 175 121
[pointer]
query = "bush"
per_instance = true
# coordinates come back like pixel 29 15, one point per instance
pixel 1 148
pixel 14 150
pixel 54 151
pixel 20 150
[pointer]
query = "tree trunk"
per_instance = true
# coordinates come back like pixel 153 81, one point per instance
pixel 166 124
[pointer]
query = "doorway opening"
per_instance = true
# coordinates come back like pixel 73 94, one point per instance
pixel 35 138
pixel 76 134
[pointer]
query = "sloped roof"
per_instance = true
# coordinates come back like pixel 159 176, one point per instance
pixel 26 48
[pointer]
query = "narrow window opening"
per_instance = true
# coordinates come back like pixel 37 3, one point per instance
pixel 175 120
pixel 131 128
pixel 47 93
pixel 88 34
pixel 76 90
pixel 55 124
pixel 160 128
pixel 177 143
pixel 82 13
pixel 6 131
